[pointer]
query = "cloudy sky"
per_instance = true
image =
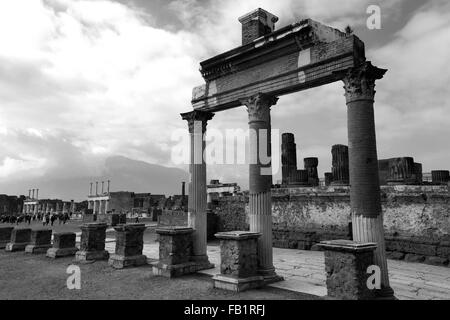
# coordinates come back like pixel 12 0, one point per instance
pixel 84 80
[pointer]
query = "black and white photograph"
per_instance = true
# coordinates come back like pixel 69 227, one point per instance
pixel 225 155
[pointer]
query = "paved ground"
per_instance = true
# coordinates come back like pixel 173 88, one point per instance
pixel 304 270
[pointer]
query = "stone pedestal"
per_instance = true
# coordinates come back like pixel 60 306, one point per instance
pixel 20 238
pixel 328 178
pixel 92 246
pixel 346 264
pixel 5 236
pixel 239 261
pixel 41 241
pixel 175 252
pixel 63 245
pixel 129 245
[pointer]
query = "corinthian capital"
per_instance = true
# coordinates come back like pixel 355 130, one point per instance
pixel 199 117
pixel 359 82
pixel 258 106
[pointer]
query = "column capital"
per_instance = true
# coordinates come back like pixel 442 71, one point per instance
pixel 258 106
pixel 359 81
pixel 197 115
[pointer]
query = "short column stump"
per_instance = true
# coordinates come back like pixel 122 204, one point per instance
pixel 346 264
pixel 92 246
pixel 5 236
pixel 238 261
pixel 129 245
pixel 41 241
pixel 175 250
pixel 63 245
pixel 20 238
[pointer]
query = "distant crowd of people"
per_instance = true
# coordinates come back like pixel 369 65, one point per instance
pixel 46 218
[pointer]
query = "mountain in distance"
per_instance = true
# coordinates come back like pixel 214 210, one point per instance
pixel 125 175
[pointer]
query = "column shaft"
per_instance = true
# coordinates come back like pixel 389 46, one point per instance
pixel 197 122
pixel 365 198
pixel 260 178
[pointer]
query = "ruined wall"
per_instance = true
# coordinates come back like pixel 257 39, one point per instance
pixel 416 219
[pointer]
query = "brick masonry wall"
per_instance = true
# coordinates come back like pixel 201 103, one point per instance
pixel 416 219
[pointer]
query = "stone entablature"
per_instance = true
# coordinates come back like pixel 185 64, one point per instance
pixel 297 57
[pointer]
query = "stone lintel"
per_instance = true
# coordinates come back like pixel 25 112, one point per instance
pixel 237 235
pixel 347 246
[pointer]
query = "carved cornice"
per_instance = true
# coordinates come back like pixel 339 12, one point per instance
pixel 258 107
pixel 359 82
pixel 197 116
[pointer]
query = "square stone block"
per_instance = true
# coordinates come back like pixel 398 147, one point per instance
pixel 63 240
pixel 93 236
pixel 175 253
pixel 61 252
pixel 40 241
pixel 5 236
pixel 92 246
pixel 238 253
pixel 129 239
pixel 346 264
pixel 20 238
pixel 175 245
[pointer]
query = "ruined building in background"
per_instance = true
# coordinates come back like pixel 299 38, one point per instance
pixel 291 176
pixel 399 171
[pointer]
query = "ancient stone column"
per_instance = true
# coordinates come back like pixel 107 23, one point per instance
pixel 197 122
pixel 340 165
pixel 440 176
pixel 311 166
pixel 365 199
pixel 288 158
pixel 328 178
pixel 260 180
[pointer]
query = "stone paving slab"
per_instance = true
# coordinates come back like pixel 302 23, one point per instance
pixel 304 271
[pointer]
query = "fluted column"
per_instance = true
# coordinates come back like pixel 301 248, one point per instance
pixel 197 122
pixel 260 179
pixel 340 165
pixel 365 199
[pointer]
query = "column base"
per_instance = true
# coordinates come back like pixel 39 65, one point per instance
pixel 37 249
pixel 270 276
pixel 91 255
pixel 11 247
pixel 202 262
pixel 120 262
pixel 385 293
pixel 61 252
pixel 237 284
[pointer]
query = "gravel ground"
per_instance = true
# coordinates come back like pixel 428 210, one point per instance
pixel 25 276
